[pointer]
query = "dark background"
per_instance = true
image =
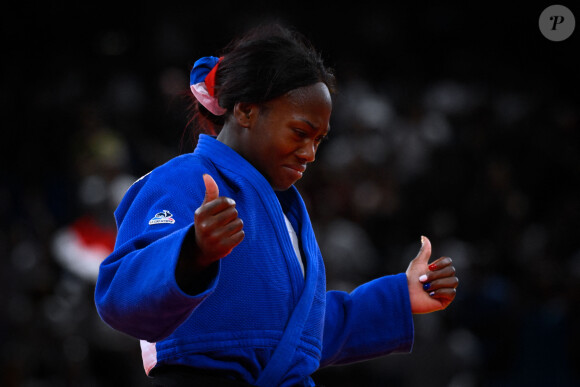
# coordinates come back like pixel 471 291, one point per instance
pixel 456 122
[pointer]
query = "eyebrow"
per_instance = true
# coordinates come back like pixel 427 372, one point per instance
pixel 312 125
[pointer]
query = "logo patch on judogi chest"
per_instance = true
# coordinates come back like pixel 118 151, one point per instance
pixel 162 217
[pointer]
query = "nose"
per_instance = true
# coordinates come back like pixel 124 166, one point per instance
pixel 308 152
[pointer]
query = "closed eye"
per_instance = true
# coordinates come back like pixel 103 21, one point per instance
pixel 321 139
pixel 300 133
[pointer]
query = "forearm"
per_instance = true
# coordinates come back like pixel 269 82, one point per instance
pixel 374 320
pixel 191 276
pixel 137 292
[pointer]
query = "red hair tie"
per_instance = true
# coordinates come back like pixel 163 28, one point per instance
pixel 210 78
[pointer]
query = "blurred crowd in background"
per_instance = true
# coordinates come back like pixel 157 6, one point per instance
pixel 461 124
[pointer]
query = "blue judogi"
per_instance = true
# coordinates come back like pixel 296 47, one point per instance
pixel 259 319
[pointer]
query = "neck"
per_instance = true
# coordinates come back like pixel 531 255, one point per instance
pixel 230 135
pixel 227 135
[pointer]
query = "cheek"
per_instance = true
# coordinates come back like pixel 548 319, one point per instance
pixel 281 147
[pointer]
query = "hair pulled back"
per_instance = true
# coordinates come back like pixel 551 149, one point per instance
pixel 264 64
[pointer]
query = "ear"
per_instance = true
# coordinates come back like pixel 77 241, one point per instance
pixel 245 113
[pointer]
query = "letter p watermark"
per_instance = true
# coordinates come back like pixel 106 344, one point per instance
pixel 557 20
pixel 557 23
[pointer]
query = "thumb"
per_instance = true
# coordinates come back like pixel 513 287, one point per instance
pixel 425 251
pixel 212 191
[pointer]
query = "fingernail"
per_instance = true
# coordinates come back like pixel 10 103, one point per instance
pixel 432 294
pixel 432 266
pixel 422 240
pixel 426 286
pixel 423 278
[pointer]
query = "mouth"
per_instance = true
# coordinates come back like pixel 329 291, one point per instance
pixel 299 167
pixel 296 169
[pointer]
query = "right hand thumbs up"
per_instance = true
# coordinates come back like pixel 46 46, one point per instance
pixel 218 229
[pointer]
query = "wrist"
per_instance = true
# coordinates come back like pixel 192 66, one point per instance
pixel 192 272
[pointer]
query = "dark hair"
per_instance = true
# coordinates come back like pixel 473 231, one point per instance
pixel 265 63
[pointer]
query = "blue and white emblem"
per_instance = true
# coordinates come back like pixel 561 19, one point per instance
pixel 162 217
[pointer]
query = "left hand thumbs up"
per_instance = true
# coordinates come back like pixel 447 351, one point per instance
pixel 431 286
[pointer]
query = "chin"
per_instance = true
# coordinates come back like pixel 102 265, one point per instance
pixel 282 186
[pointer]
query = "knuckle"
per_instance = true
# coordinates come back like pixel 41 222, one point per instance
pixel 232 214
pixel 235 225
pixel 206 227
pixel 200 227
pixel 213 238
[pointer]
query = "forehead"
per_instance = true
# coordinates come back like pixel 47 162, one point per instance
pixel 312 94
pixel 311 104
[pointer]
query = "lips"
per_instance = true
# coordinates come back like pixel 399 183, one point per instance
pixel 299 168
pixel 296 169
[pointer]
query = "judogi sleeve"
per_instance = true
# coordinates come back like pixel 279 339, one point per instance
pixel 373 320
pixel 136 291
